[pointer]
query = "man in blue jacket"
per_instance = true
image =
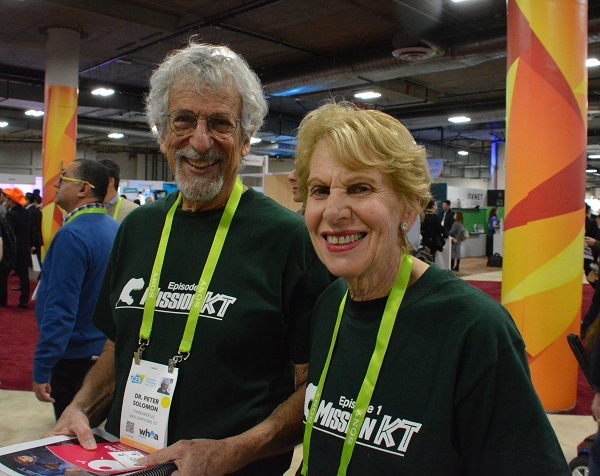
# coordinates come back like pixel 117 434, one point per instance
pixel 72 274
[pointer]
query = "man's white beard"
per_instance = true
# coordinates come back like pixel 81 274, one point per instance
pixel 194 188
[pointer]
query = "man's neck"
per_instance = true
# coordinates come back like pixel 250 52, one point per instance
pixel 80 204
pixel 218 202
pixel 110 194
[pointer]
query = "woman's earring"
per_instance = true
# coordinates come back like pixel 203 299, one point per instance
pixel 404 227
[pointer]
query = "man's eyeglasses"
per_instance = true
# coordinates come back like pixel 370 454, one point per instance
pixel 221 125
pixel 69 179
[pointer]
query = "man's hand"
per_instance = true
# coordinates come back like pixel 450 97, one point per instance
pixel 589 241
pixel 43 391
pixel 73 422
pixel 197 457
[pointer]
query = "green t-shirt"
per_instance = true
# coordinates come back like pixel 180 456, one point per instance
pixel 454 395
pixel 254 323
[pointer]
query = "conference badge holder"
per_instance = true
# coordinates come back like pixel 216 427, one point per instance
pixel 147 403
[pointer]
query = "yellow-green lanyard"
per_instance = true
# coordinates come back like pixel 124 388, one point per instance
pixel 205 278
pixel 368 386
pixel 117 208
pixel 85 211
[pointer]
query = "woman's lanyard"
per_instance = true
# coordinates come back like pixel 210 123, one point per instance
pixel 205 278
pixel 368 386
pixel 117 208
pixel 85 211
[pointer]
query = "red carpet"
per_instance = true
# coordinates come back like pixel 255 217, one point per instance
pixel 19 335
pixel 585 394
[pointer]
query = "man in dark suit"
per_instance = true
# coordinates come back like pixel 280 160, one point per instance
pixel 447 217
pixel 36 240
pixel 19 220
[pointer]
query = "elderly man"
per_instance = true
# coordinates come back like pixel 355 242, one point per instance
pixel 116 206
pixel 71 278
pixel 211 287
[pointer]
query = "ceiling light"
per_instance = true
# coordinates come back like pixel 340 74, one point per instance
pixel 591 62
pixel 591 171
pixel 463 152
pixel 34 113
pixel 116 135
pixel 103 92
pixel 255 140
pixel 459 1
pixel 367 95
pixel 3 123
pixel 459 119
pixel 594 156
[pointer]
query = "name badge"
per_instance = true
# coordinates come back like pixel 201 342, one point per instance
pixel 146 405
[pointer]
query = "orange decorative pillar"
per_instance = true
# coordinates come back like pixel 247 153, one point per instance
pixel 60 119
pixel 545 186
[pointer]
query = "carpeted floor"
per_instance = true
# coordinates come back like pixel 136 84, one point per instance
pixel 18 337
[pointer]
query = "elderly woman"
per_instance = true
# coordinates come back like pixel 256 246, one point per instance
pixel 412 371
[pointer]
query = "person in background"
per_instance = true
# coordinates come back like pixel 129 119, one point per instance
pixel 137 201
pixel 4 270
pixel 592 313
pixel 292 178
pixel 36 240
pixel 3 208
pixel 237 402
pixel 19 220
pixel 492 227
pixel 72 274
pixel 412 370
pixel 456 237
pixel 591 231
pixel 149 200
pixel 116 206
pixel 447 216
pixel 432 231
pixel 7 262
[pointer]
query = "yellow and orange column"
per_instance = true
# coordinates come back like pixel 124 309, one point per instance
pixel 60 119
pixel 545 186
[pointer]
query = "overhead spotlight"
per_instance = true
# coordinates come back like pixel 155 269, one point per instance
pixel 103 92
pixel 255 140
pixel 116 135
pixel 591 171
pixel 592 62
pixel 463 152
pixel 3 123
pixel 34 113
pixel 367 95
pixel 459 119
pixel 594 156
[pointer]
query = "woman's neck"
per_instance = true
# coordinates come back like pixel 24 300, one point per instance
pixel 379 284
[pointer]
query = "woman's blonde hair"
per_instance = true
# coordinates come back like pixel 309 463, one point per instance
pixel 363 139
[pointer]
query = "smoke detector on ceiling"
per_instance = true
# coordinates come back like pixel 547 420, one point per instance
pixel 414 53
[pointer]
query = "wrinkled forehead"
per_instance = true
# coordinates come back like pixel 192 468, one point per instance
pixel 206 89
